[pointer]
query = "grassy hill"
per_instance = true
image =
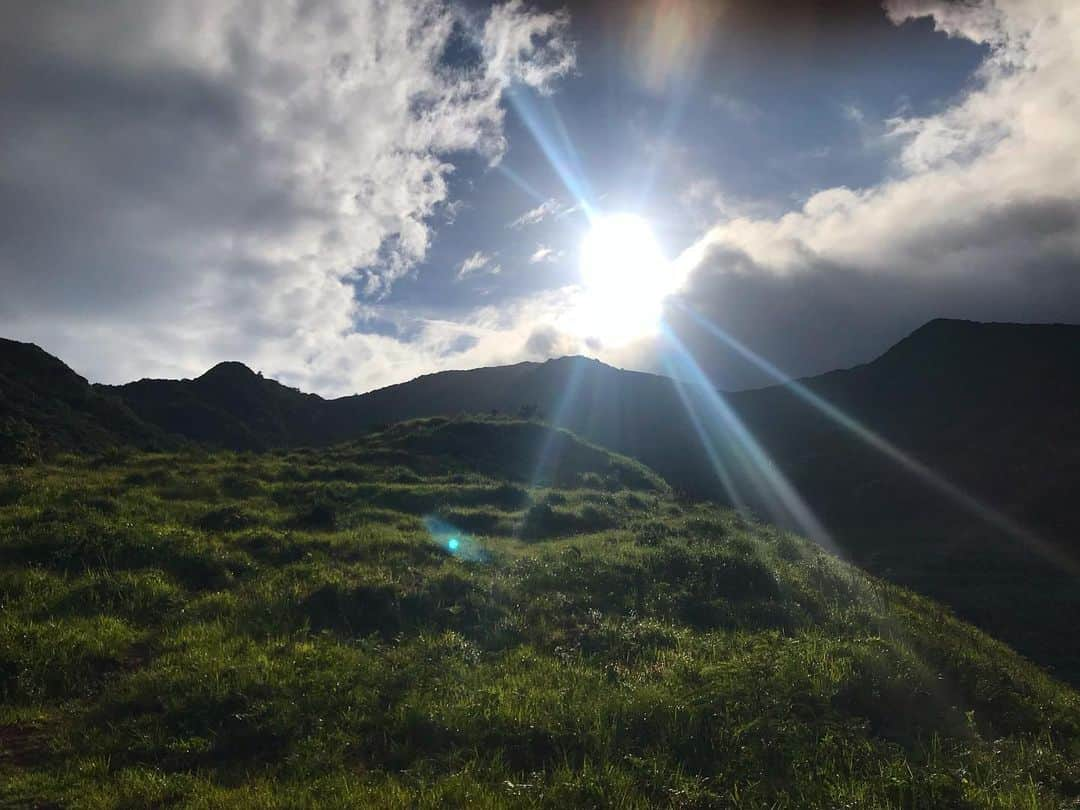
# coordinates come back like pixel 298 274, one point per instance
pixel 994 408
pixel 478 613
pixel 46 408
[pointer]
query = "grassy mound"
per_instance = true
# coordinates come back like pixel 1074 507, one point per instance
pixel 462 612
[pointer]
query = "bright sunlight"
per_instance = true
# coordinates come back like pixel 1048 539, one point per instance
pixel 625 277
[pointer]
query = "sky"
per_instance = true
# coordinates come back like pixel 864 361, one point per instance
pixel 346 194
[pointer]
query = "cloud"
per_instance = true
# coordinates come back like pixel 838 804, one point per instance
pixel 547 341
pixel 549 209
pixel 538 214
pixel 705 195
pixel 545 254
pixel 980 219
pixel 493 335
pixel 478 262
pixel 188 181
pixel 531 48
pixel 462 343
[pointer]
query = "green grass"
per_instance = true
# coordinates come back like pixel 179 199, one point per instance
pixel 292 630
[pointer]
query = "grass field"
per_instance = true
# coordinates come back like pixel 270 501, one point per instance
pixel 478 613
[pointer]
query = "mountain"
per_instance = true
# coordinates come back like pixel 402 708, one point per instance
pixel 45 407
pixel 976 508
pixel 228 406
pixel 244 411
pixel 993 407
pixel 993 412
pixel 426 617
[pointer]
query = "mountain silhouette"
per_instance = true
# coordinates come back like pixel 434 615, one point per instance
pixel 991 407
pixel 975 506
pixel 45 407
pixel 228 406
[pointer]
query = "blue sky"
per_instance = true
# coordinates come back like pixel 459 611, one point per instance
pixel 761 128
pixel 345 194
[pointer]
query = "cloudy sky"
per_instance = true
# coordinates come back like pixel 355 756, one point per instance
pixel 346 194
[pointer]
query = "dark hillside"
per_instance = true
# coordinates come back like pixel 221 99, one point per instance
pixel 228 406
pixel 993 407
pixel 45 407
pixel 995 410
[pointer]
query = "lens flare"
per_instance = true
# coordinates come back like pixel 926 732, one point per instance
pixel 666 39
pixel 454 541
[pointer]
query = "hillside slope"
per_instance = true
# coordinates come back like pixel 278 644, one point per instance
pixel 46 407
pixel 228 406
pixel 992 408
pixel 479 613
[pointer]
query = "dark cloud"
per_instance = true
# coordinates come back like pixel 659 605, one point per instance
pixel 825 316
pixel 109 172
pixel 547 341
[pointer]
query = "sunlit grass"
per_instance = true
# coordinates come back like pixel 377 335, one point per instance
pixel 283 630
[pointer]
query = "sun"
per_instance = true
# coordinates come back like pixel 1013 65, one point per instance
pixel 625 278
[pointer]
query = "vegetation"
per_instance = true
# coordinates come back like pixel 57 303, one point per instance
pixel 46 408
pixel 994 408
pixel 481 613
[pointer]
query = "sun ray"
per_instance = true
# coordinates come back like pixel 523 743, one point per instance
pixel 785 503
pixel 562 157
pixel 935 480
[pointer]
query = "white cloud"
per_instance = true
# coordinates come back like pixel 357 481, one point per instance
pixel 545 254
pixel 208 179
pixel 478 262
pixel 484 337
pixel 538 214
pixel 987 190
pixel 548 209
pixel 853 113
pixel 705 202
pixel 547 341
pixel 531 48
